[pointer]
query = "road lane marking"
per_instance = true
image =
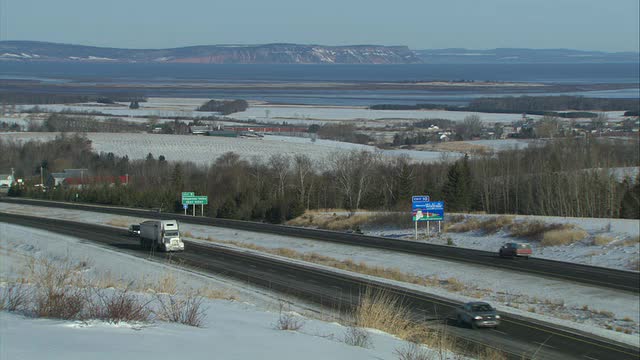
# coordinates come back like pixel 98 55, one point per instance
pixel 543 344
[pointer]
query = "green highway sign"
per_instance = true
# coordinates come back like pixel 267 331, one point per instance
pixel 186 194
pixel 195 200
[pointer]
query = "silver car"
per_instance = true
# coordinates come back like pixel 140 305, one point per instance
pixel 478 314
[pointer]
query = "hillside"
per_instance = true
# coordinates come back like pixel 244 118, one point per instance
pixel 523 56
pixel 211 54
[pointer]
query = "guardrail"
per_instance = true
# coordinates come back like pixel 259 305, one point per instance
pixel 592 275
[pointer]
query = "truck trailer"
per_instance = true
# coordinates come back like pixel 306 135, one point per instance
pixel 163 235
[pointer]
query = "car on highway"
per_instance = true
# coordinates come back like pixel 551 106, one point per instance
pixel 134 230
pixel 514 249
pixel 477 314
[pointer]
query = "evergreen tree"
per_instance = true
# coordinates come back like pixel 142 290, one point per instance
pixel 457 189
pixel 630 204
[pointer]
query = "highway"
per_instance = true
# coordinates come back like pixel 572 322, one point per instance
pixel 517 336
pixel 591 275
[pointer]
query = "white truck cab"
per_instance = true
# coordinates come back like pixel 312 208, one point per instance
pixel 163 235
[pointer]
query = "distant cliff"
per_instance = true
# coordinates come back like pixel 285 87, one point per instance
pixel 211 54
pixel 523 56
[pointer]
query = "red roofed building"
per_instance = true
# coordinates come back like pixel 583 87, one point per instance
pixel 95 180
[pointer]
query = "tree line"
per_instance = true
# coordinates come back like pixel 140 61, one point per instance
pixel 22 98
pixel 532 105
pixel 567 177
pixel 225 107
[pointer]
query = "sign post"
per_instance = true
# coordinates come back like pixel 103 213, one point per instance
pixel 191 199
pixel 423 209
pixel 417 204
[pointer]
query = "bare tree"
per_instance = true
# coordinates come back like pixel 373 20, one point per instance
pixel 280 165
pixel 599 122
pixel 470 127
pixel 547 127
pixel 302 166
pixel 353 172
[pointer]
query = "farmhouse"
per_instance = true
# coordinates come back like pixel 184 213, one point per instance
pixel 55 179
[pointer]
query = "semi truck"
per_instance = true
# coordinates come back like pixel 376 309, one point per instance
pixel 163 235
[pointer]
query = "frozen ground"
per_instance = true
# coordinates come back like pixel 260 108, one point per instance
pixel 231 329
pixel 589 308
pixel 205 149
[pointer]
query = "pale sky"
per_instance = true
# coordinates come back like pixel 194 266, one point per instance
pixel 607 25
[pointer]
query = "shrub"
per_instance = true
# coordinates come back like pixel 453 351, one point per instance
pixel 15 297
pixel 62 302
pixel 288 321
pixel 119 306
pixel 356 336
pixel 413 351
pixel 184 310
pixel 562 237
pixel 58 291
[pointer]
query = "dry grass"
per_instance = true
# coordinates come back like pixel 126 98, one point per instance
pixel 397 219
pixel 58 289
pixel 187 234
pixel 470 224
pixel 535 229
pixel 602 240
pixel 166 285
pixel 495 224
pixel 217 294
pixel 631 241
pixel 492 354
pixel 323 220
pixel 562 237
pixel 386 312
pixel 451 284
pixel 124 223
pixel 634 265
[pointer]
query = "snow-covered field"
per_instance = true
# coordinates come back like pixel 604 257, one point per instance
pixel 166 108
pixel 206 149
pixel 231 329
pixel 572 304
pixel 358 115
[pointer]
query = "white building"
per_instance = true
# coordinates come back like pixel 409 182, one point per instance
pixel 6 180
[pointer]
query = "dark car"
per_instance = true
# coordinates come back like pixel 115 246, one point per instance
pixel 478 314
pixel 134 230
pixel 515 249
